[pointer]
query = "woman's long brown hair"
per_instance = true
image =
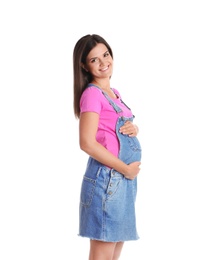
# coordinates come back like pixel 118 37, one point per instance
pixel 81 77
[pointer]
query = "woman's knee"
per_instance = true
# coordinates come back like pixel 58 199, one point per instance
pixel 117 250
pixel 100 250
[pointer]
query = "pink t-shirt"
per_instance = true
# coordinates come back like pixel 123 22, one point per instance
pixel 93 100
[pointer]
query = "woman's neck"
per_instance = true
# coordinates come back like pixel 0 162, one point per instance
pixel 104 85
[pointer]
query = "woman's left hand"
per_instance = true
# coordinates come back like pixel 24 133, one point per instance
pixel 129 129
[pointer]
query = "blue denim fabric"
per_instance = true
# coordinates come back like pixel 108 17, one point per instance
pixel 107 199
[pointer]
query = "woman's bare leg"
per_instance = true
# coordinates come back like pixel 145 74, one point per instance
pixel 100 250
pixel 117 250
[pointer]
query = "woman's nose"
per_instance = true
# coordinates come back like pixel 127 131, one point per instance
pixel 101 62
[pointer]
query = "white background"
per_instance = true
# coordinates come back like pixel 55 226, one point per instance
pixel 156 54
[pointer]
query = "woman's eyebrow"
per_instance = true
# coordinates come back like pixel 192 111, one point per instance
pixel 92 58
pixel 99 55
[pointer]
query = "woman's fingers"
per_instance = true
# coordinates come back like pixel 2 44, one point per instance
pixel 129 129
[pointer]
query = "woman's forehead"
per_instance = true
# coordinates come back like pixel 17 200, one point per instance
pixel 97 51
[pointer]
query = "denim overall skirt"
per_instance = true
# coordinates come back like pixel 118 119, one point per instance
pixel 107 198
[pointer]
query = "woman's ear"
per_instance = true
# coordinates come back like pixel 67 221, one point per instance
pixel 84 67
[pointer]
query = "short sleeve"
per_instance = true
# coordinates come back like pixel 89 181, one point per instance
pixel 91 100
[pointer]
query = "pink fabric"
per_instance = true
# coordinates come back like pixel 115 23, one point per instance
pixel 92 100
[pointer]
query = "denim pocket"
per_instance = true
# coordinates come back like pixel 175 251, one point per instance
pixel 87 191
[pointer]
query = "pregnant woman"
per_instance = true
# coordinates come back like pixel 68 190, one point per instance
pixel 109 136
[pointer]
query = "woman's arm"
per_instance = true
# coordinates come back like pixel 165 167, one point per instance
pixel 88 126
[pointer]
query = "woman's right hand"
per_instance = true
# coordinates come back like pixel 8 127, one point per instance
pixel 133 170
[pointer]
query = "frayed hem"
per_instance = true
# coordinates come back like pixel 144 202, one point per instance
pixel 105 240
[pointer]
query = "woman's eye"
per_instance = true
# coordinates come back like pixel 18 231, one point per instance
pixel 106 54
pixel 94 60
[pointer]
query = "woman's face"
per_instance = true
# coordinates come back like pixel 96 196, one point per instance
pixel 99 62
